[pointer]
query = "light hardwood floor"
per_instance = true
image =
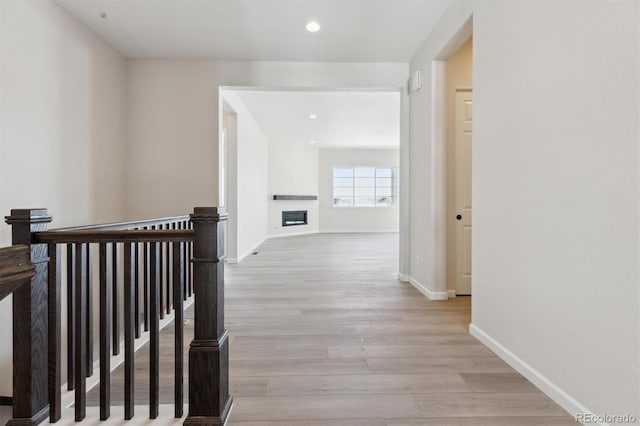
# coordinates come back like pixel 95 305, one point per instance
pixel 323 334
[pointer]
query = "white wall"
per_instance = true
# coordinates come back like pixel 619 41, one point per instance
pixel 293 170
pixel 62 135
pixel 229 178
pixel 361 219
pixel 249 165
pixel 555 204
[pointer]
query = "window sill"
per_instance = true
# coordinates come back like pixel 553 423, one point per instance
pixel 363 207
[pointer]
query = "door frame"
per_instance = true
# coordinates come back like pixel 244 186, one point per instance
pixel 403 171
pixel 438 164
pixel 229 199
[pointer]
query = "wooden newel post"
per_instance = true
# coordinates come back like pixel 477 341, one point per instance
pixel 209 399
pixel 30 334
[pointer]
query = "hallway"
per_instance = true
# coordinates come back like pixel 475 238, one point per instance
pixel 323 334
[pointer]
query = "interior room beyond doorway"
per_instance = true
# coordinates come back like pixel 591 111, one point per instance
pixel 458 153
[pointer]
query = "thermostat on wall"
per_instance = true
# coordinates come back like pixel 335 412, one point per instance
pixel 416 81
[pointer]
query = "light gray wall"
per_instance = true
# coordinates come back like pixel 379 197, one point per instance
pixel 357 219
pixel 555 181
pixel 62 131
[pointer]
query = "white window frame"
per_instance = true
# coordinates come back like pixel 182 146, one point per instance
pixel 354 188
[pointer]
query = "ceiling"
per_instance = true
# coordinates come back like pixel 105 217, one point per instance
pixel 267 30
pixel 344 119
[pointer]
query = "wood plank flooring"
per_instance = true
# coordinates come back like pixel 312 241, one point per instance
pixel 323 334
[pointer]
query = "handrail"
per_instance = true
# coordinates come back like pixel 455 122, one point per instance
pixel 15 268
pixel 145 269
pixel 112 236
pixel 126 225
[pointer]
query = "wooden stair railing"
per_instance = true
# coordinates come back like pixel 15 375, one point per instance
pixel 15 269
pixel 162 262
pixel 16 272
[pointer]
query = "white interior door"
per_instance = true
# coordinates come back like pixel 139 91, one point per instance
pixel 463 120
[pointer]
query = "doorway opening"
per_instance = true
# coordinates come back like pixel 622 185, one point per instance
pixel 333 154
pixel 451 74
pixel 459 116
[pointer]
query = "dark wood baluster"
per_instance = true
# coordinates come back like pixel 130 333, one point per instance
pixel 161 265
pixel 167 272
pixel 136 286
pixel 188 264
pixel 89 295
pixel 81 334
pixel 105 331
pixel 154 346
pixel 71 315
pixel 145 283
pixel 178 289
pixel 191 256
pixel 183 225
pixel 174 281
pixel 54 302
pixel 129 332
pixel 116 299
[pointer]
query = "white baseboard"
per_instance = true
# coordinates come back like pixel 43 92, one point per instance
pixel 234 260
pixel 431 295
pixel 451 294
pixel 292 234
pixel 403 277
pixel 359 231
pixel 252 249
pixel 553 391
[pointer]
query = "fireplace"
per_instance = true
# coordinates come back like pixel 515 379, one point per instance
pixel 294 218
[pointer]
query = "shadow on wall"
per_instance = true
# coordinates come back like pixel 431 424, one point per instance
pixel 63 136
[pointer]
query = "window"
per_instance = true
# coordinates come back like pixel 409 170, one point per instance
pixel 363 187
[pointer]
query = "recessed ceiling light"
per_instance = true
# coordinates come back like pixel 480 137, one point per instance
pixel 313 116
pixel 312 142
pixel 313 27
